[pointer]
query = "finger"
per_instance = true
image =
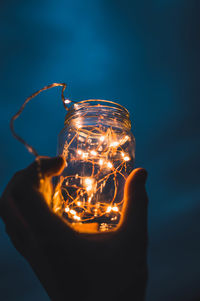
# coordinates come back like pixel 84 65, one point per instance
pixel 135 209
pixel 48 167
pixel 52 166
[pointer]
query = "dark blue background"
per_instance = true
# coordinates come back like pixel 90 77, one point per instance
pixel 143 54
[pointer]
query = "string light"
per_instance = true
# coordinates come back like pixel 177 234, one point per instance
pixel 97 158
pixel 101 151
pixel 109 164
pixel 67 101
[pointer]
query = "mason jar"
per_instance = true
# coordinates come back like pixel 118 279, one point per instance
pixel 99 150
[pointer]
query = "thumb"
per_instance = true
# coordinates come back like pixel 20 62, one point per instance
pixel 135 198
pixel 51 166
pixel 46 166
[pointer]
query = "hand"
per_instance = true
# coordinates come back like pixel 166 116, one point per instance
pixel 70 265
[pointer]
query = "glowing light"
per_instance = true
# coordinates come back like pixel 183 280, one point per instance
pixel 85 155
pixel 104 161
pixel 109 164
pixel 56 194
pixel 100 162
pixel 114 144
pixel 66 101
pixel 109 208
pixel 124 139
pixel 88 181
pixel 88 188
pixel 115 208
pixel 96 159
pixel 78 124
pixel 93 153
pixel 89 184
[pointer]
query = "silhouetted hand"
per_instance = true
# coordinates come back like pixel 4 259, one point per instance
pixel 70 265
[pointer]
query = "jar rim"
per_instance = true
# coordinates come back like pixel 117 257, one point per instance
pixel 108 104
pixel 117 105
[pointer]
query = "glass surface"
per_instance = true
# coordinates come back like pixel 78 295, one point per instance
pixel 99 150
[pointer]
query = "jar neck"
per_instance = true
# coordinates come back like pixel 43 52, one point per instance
pixel 93 112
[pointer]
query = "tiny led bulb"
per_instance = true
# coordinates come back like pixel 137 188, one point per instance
pixel 109 164
pixel 73 212
pixel 88 181
pixel 115 143
pixel 88 188
pixel 100 162
pixel 109 208
pixel 85 155
pixel 115 208
pixel 126 158
pixel 102 138
pixel 67 209
pixel 76 217
pixel 94 153
pixel 66 101
pixel 79 203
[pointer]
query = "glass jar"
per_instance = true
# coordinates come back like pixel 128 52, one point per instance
pixel 99 149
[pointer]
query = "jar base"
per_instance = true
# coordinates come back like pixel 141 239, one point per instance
pixel 93 228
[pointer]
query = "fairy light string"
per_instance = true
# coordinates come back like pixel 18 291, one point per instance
pixel 30 148
pixel 104 152
pixel 78 204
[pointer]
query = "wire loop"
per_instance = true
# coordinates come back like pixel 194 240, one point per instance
pixel 30 148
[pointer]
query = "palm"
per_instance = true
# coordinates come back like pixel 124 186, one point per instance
pixel 105 266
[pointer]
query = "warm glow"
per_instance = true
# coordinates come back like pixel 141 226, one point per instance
pixel 67 209
pixel 89 188
pixel 94 153
pixel 76 217
pixel 100 162
pixel 67 101
pixel 88 181
pixel 85 155
pixel 109 164
pixel 73 212
pixel 114 144
pixel 115 208
pixel 88 192
pixel 109 208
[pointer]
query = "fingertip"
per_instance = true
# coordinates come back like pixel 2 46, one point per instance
pixel 137 176
pixel 139 173
pixel 135 201
pixel 52 166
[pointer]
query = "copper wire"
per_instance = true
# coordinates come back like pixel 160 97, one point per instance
pixel 30 148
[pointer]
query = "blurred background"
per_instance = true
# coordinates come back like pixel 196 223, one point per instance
pixel 142 54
